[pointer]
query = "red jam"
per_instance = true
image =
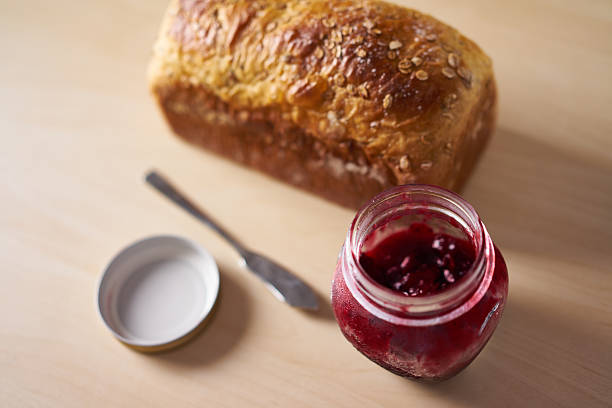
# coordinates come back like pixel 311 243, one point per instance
pixel 417 261
pixel 419 298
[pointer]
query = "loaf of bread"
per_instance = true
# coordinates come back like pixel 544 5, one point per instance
pixel 344 98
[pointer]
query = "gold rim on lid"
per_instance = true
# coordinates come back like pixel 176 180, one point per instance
pixel 158 293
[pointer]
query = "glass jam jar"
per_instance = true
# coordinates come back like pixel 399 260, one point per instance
pixel 419 286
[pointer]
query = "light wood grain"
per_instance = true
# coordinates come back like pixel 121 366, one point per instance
pixel 79 130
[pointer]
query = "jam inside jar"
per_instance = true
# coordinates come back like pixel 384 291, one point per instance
pixel 419 286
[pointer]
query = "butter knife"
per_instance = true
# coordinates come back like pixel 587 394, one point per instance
pixel 284 285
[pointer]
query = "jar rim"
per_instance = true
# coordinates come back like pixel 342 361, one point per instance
pixel 423 306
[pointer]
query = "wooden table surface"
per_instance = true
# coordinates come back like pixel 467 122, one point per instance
pixel 79 130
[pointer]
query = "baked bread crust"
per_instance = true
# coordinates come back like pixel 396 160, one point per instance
pixel 342 98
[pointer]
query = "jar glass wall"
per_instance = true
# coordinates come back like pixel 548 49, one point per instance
pixel 431 336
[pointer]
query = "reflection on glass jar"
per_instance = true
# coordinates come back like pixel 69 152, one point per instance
pixel 419 286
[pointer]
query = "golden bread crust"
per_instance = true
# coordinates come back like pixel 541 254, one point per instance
pixel 386 94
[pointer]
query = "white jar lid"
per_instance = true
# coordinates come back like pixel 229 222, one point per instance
pixel 157 292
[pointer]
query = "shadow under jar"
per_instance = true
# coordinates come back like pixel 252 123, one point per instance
pixel 419 286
